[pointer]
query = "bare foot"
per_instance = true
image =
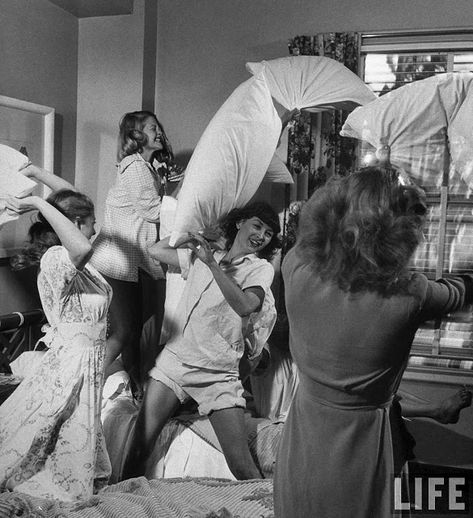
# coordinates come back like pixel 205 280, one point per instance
pixel 449 409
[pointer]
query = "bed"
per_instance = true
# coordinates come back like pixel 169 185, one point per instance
pixel 142 498
pixel 187 446
pixel 187 475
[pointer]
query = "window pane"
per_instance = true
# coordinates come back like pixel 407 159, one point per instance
pixel 463 62
pixel 386 72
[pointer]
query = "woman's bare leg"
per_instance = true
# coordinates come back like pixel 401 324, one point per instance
pixel 153 296
pixel 229 426
pixel 125 328
pixel 446 411
pixel 159 404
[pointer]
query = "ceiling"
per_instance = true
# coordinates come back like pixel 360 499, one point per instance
pixel 88 8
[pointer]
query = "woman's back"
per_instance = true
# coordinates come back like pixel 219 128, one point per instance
pixel 353 310
pixel 353 342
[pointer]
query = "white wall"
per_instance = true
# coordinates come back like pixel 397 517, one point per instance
pixel 203 45
pixel 38 63
pixel 110 69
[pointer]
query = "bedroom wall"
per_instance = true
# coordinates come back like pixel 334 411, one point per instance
pixel 203 45
pixel 38 57
pixel 38 63
pixel 110 70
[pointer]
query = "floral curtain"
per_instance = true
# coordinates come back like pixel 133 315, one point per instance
pixel 338 153
pixel 315 149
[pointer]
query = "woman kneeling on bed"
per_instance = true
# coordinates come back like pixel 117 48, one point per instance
pixel 227 297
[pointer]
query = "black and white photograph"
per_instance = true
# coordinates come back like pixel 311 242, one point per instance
pixel 268 203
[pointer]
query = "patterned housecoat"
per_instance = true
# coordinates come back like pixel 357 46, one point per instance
pixel 51 441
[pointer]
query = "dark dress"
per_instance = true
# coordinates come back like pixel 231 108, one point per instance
pixel 336 454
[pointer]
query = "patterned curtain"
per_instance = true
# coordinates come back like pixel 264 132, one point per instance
pixel 338 153
pixel 315 149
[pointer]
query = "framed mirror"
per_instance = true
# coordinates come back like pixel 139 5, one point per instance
pixel 28 128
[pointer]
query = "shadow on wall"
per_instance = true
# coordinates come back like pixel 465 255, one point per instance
pixel 182 158
pixel 98 165
pixel 58 136
pixel 19 291
pixel 438 444
pixel 270 50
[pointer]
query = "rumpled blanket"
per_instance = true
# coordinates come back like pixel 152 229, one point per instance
pixel 142 498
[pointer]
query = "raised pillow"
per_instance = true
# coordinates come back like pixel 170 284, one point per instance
pixel 230 159
pixel 236 149
pixel 12 182
pixel 414 122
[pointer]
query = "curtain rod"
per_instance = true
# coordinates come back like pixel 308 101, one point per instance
pixel 414 32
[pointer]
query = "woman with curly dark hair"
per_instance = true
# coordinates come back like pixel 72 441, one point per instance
pixel 226 304
pixel 353 309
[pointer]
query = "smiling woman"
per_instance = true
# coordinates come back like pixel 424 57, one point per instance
pixel 132 216
pixel 226 304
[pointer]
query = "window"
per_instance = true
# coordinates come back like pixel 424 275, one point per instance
pixel 388 62
pixel 392 60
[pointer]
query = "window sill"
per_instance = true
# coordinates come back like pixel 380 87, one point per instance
pixel 436 375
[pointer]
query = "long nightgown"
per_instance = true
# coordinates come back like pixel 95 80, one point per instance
pixel 51 440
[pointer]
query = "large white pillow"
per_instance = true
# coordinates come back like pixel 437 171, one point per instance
pixel 12 182
pixel 230 159
pixel 237 147
pixel 414 122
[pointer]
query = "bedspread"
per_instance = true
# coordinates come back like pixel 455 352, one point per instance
pixel 141 498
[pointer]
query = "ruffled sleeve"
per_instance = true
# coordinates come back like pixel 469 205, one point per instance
pixel 57 267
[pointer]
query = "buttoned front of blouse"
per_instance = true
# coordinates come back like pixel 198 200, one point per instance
pixel 132 214
pixel 209 333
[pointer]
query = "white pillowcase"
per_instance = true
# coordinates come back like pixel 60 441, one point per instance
pixel 414 122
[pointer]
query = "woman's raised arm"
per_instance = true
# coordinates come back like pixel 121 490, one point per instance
pixel 76 243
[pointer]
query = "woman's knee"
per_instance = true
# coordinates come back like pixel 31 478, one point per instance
pixel 242 466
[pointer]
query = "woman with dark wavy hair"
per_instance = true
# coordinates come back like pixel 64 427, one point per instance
pixel 353 309
pixel 226 307
pixel 51 438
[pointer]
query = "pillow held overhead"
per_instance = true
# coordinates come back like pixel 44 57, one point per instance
pixel 12 182
pixel 237 147
pixel 415 120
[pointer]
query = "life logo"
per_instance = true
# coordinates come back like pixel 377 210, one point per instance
pixel 426 495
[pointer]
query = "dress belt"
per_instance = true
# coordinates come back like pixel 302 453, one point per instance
pixel 338 398
pixel 67 329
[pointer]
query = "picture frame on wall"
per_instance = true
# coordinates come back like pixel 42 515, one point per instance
pixel 29 128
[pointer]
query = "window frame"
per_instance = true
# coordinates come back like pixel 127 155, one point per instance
pixel 427 42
